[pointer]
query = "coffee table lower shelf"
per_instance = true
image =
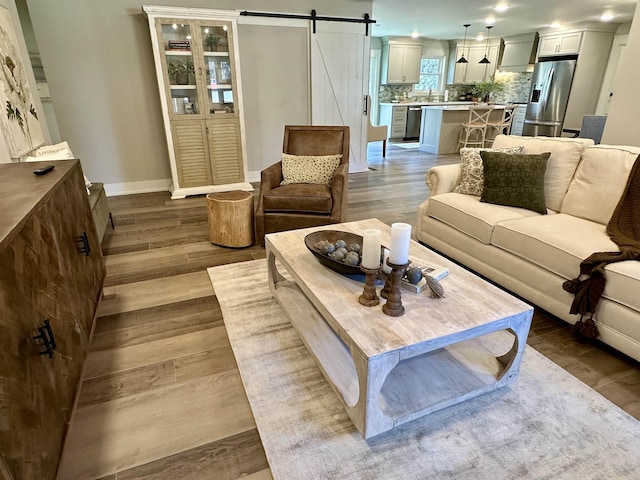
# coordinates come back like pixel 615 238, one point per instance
pixel 385 391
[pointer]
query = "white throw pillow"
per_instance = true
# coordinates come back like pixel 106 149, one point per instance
pixel 59 151
pixel 599 181
pixel 309 169
pixel 472 182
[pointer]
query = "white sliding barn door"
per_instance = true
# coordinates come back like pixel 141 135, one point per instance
pixel 340 81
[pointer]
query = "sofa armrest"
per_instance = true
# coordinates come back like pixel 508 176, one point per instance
pixel 443 178
pixel 339 193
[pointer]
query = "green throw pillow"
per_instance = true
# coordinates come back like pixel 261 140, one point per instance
pixel 515 180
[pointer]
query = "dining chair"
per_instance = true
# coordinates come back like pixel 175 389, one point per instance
pixel 375 133
pixel 473 132
pixel 501 126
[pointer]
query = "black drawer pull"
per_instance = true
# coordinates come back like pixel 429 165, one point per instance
pixel 48 340
pixel 83 241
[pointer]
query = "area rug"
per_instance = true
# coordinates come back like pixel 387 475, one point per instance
pixel 547 425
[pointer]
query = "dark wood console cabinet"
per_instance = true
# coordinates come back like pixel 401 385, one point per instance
pixel 46 273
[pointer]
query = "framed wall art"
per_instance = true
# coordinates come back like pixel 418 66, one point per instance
pixel 19 121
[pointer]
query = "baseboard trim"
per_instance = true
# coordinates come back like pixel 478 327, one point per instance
pixel 129 188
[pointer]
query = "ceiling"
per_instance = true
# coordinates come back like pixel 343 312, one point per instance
pixel 444 20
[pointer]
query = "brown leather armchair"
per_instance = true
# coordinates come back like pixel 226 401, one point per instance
pixel 301 205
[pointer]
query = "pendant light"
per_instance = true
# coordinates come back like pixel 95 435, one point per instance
pixel 462 59
pixel 485 60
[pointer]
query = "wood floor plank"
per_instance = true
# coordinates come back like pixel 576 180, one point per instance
pixel 185 311
pixel 205 363
pixel 158 330
pixel 118 435
pixel 103 362
pixel 130 382
pixel 149 293
pixel 234 457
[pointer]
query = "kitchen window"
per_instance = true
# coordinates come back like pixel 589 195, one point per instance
pixel 431 74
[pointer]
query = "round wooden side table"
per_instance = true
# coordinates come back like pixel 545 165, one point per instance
pixel 231 218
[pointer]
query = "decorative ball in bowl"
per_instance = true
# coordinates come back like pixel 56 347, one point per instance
pixel 340 251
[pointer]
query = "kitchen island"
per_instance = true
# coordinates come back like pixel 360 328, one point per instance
pixel 441 125
pixel 395 116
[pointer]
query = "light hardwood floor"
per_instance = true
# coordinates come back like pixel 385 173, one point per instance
pixel 162 396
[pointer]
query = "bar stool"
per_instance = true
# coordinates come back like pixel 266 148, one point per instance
pixel 474 131
pixel 501 126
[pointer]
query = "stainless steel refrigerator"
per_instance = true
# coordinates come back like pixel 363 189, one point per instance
pixel 550 87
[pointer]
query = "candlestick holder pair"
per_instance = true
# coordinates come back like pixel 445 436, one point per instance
pixel 390 291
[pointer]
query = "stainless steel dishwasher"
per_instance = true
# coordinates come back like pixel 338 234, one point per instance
pixel 414 115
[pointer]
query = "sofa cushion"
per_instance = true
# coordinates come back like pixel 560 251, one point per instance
pixel 559 243
pixel 472 181
pixel 309 169
pixel 300 198
pixel 467 214
pixel 599 182
pixel 515 180
pixel 565 155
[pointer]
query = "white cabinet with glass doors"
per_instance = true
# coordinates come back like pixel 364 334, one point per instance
pixel 196 58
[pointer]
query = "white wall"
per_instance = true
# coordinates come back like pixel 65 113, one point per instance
pixel 99 66
pixel 269 106
pixel 621 127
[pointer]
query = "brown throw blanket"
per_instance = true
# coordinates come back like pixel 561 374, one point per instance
pixel 624 230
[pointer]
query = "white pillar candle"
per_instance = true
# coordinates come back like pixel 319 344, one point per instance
pixel 399 248
pixel 371 241
pixel 385 268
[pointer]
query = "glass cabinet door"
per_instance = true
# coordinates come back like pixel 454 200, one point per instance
pixel 217 59
pixel 177 42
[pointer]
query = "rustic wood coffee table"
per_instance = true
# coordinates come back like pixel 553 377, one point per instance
pixel 390 370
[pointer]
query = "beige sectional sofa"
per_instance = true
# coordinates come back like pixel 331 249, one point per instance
pixel 532 254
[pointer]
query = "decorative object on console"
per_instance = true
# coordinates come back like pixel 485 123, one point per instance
pixel 437 290
pixel 398 261
pixel 515 180
pixel 394 307
pixel 370 265
pixel 317 243
pixel 371 249
pixel 400 238
pixel 369 298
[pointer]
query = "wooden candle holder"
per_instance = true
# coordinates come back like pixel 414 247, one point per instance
pixel 384 293
pixel 369 298
pixel 394 307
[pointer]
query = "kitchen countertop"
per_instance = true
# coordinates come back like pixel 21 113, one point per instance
pixel 420 104
pixel 457 107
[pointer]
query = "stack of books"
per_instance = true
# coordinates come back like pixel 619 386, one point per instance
pixel 178 45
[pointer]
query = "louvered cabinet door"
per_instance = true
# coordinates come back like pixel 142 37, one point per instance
pixel 225 149
pixel 192 157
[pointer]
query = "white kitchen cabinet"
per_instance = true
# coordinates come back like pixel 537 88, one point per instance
pixel 400 63
pixel 595 46
pixel 197 67
pixel 518 120
pixel 395 117
pixel 474 71
pixel 559 44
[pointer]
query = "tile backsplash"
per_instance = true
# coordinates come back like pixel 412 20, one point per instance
pixel 517 85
